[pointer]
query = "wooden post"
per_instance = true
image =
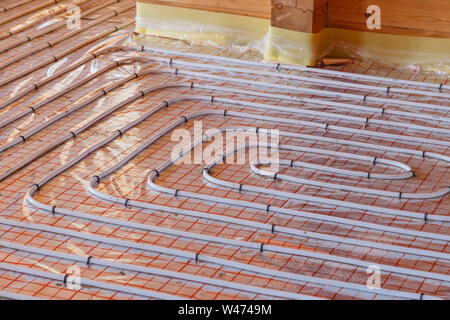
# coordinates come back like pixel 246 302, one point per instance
pixel 300 15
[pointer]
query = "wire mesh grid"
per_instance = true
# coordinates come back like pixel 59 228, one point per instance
pixel 23 224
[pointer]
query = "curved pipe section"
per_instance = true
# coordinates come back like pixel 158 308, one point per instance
pixel 31 191
pixel 324 126
pixel 258 206
pixel 400 195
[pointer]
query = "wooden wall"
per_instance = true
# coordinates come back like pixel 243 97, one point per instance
pixel 253 8
pixel 412 17
pixel 429 18
pixel 406 17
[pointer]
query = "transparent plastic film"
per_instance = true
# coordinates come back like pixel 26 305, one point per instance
pixel 87 139
pixel 200 27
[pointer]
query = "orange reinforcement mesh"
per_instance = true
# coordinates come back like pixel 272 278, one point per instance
pixel 69 189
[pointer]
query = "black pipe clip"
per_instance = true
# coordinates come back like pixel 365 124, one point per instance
pixel 156 171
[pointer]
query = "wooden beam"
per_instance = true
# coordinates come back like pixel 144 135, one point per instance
pixel 300 15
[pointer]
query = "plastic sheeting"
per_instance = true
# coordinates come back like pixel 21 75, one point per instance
pixel 68 191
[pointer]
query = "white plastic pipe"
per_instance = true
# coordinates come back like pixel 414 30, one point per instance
pixel 92 261
pixel 280 66
pixel 16 296
pixel 88 282
pixel 190 256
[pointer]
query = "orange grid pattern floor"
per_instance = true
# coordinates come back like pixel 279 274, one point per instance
pixel 69 189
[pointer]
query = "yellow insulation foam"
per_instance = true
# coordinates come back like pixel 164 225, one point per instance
pixel 281 45
pixel 288 46
pixel 429 53
pixel 199 26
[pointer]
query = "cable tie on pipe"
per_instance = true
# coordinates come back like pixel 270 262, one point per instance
pixel 23 138
pixel 421 296
pixel 98 179
pixel 166 103
pixel 197 256
pixel 176 71
pixel 126 203
pixel 170 62
pixel 365 97
pixel 65 279
pixel 32 109
pixel 142 48
pixel 240 188
pixel 142 93
pixel 273 228
pixel 37 186
pixel 207 170
pixel 413 173
pixel 368 175
pixel 136 74
pixel 185 119
pixel 292 163
pixel 176 192
pixel 275 176
pixel 425 217
pixel 192 85
pixel 400 195
pixel 49 44
pixel 55 58
pixel 326 126
pixel 423 154
pixel 261 249
pixel 28 38
pixel 374 160
pixel 104 92
pixel 440 87
pixel 73 134
pixel 88 261
pixel 268 208
pixel 9 31
pixel 54 210
pixel 117 63
pixel 156 171
pixel 388 90
pixel 212 99
pixel 257 130
pixel 116 28
pixel 120 132
pixel 35 85
pixel 116 13
pixel 278 67
pixel 367 120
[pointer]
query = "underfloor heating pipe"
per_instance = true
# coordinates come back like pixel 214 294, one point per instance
pixel 92 261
